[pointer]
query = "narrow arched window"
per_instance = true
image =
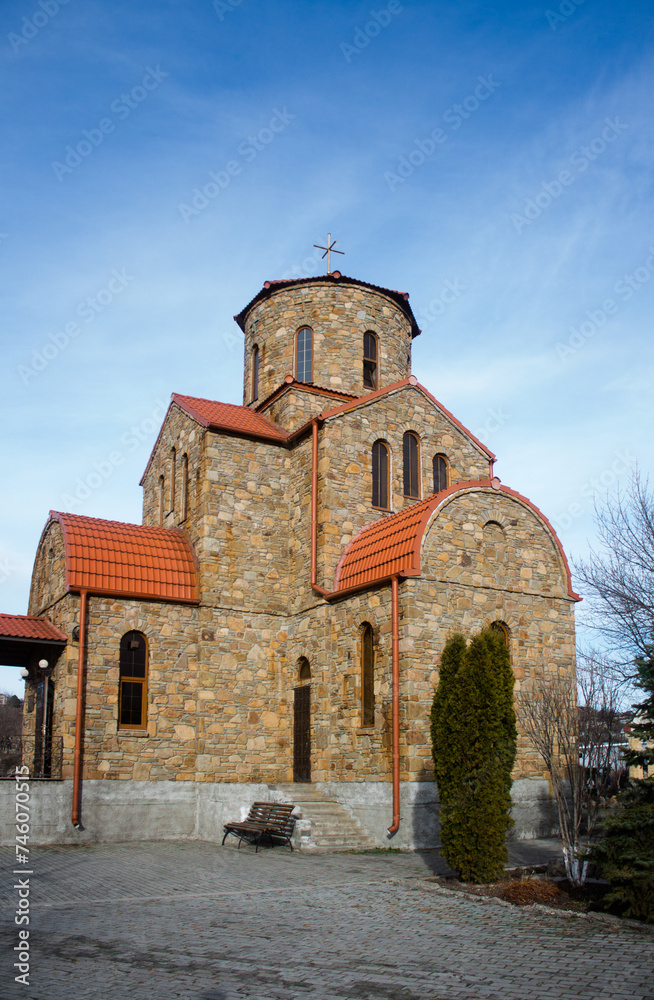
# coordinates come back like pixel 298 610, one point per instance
pixel 502 629
pixel 304 355
pixel 184 505
pixel 132 693
pixel 367 676
pixel 162 498
pixel 173 478
pixel 304 669
pixel 440 473
pixel 380 466
pixel 369 360
pixel 411 457
pixel 255 372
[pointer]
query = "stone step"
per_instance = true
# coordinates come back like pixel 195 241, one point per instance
pixel 323 822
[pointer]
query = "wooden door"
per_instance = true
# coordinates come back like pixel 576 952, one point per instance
pixel 302 733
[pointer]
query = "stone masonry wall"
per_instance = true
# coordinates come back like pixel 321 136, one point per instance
pixel 339 314
pixel 345 465
pixel 186 436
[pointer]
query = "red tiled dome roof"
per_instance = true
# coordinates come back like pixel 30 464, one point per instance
pixel 130 560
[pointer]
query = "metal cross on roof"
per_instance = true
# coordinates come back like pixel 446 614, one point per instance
pixel 329 250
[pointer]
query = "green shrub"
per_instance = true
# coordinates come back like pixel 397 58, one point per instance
pixel 625 854
pixel 474 746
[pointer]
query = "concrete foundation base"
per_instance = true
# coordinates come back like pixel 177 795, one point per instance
pixel 115 811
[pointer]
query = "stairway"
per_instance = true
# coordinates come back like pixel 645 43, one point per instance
pixel 323 824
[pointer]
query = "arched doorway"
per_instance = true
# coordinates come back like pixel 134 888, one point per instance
pixel 302 723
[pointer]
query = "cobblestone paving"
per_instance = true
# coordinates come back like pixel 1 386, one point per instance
pixel 201 922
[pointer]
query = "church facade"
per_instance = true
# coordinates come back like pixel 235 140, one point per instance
pixel 279 615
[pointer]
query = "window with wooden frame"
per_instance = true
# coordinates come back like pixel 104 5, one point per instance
pixel 304 669
pixel 367 676
pixel 162 498
pixel 380 477
pixel 369 360
pixel 304 355
pixel 255 372
pixel 502 629
pixel 173 478
pixel 184 504
pixel 133 693
pixel 441 477
pixel 411 460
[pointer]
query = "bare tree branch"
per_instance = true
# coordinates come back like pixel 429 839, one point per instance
pixel 577 741
pixel 620 577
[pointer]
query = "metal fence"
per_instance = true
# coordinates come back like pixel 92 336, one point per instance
pixel 42 757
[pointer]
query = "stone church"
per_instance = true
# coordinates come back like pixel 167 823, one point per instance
pixel 273 628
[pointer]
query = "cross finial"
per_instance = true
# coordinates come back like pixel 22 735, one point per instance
pixel 329 250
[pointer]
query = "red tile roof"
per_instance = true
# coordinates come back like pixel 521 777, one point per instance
pixel 229 417
pixel 391 545
pixel 400 298
pixel 130 560
pixel 387 546
pixel 26 627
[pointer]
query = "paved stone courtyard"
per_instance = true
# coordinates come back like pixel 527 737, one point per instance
pixel 203 922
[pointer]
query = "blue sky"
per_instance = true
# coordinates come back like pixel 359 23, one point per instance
pixel 495 161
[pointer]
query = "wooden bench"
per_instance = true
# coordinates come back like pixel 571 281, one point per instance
pixel 272 820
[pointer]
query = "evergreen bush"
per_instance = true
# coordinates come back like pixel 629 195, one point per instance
pixel 625 854
pixel 474 746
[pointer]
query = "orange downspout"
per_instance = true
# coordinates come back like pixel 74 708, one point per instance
pixel 314 504
pixel 395 628
pixel 395 624
pixel 77 771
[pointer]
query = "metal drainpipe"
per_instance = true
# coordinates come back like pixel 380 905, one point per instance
pixel 314 500
pixel 330 595
pixel 395 626
pixel 77 771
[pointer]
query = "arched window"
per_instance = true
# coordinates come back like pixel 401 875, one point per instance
pixel 502 629
pixel 369 360
pixel 173 478
pixel 304 669
pixel 440 473
pixel 133 694
pixel 411 456
pixel 304 355
pixel 162 498
pixel 367 676
pixel 184 506
pixel 380 466
pixel 255 372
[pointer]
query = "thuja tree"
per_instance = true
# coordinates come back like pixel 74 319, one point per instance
pixel 625 854
pixel 474 746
